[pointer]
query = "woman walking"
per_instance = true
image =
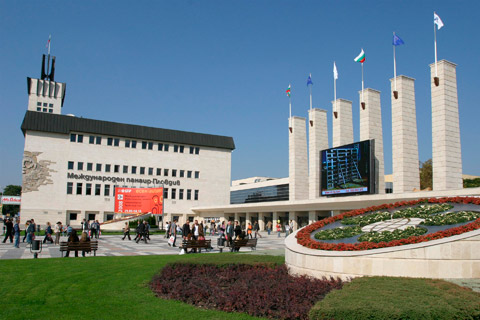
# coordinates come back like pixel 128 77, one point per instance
pixel 48 233
pixel 126 231
pixel 58 230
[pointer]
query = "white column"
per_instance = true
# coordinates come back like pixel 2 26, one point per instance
pixel 371 128
pixel 274 220
pixel 406 173
pixel 248 219
pixel 446 147
pixel 261 221
pixel 298 159
pixel 292 215
pixel 317 141
pixel 312 217
pixel 342 125
pixel 237 217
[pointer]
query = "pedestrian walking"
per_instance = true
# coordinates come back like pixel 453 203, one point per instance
pixel 279 228
pixel 126 231
pixel 97 225
pixel 287 229
pixel 256 228
pixel 58 229
pixel 30 232
pixel 16 231
pixel 173 233
pixel 9 232
pixel 249 230
pixel 269 227
pixel 27 223
pixel 48 233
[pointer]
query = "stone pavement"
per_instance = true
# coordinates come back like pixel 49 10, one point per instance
pixel 109 245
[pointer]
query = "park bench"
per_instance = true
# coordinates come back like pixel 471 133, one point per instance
pixel 196 244
pixel 88 246
pixel 237 244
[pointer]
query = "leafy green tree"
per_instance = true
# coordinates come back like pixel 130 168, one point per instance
pixel 471 183
pixel 11 190
pixel 426 174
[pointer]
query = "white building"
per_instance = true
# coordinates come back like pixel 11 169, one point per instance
pixel 72 165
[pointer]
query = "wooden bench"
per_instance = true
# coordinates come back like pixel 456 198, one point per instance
pixel 237 244
pixel 88 246
pixel 196 244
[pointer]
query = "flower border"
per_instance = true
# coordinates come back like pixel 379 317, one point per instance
pixel 303 236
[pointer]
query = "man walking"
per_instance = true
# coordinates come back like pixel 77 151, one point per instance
pixel 9 232
pixel 173 232
pixel 186 230
pixel 229 234
pixel 269 227
pixel 256 228
pixel 16 230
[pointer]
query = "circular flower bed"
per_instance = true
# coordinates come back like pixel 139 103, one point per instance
pixel 304 236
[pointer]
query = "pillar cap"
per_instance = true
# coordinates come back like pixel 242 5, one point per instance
pixel 369 89
pixel 432 65
pixel 402 77
pixel 297 118
pixel 317 110
pixel 342 100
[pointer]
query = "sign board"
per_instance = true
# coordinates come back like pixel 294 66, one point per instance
pixel 139 200
pixel 11 200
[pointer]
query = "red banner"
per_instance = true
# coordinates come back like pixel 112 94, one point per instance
pixel 139 200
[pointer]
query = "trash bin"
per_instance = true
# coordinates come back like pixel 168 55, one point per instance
pixel 221 242
pixel 36 245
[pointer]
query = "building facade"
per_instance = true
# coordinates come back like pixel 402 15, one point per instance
pixel 72 165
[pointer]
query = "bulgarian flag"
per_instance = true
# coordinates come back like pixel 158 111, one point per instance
pixel 288 91
pixel 361 57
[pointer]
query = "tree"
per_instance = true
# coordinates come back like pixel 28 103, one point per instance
pixel 11 190
pixel 426 174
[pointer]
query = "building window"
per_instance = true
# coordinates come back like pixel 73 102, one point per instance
pixel 44 109
pixel 182 173
pixel 160 146
pixel 109 141
pixel 134 144
pixel 116 142
pixel 174 173
pixel 134 170
pixel 91 139
pixel 159 171
pixel 45 104
pixel 180 194
pixel 142 170
pixel 189 174
pixel 80 138
pixel 197 150
pixel 106 191
pixel 107 167
pixel 144 144
pixel 197 174
pixel 73 216
pixel 73 137
pixel 196 195
pixel 127 143
pixel 116 168
pixel 39 104
pixel 182 148
pixel 70 165
pixel 50 110
pixel 125 169
pixel 174 193
pixel 89 166
pixel 165 193
pixel 150 146
pixel 50 105
pixel 79 188
pixel 99 167
pixel 189 194
pixel 150 171
pixel 192 150
pixel 88 189
pixel 165 147
pixel 97 189
pixel 39 109
pixel 69 187
pixel 165 172
pixel 80 166
pixel 175 148
pixel 98 140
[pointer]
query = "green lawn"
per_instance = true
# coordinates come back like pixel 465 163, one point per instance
pixel 100 288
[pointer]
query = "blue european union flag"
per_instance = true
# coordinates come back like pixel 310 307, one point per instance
pixel 397 41
pixel 309 80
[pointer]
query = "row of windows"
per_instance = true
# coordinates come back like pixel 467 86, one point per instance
pixel 135 170
pixel 146 145
pixel 45 105
pixel 96 190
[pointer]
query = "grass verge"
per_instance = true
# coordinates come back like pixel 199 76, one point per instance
pixel 398 298
pixel 101 287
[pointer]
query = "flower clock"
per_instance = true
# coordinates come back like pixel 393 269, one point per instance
pixel 391 225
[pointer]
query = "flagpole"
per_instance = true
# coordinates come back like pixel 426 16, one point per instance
pixel 435 41
pixel 394 69
pixel 310 97
pixel 290 107
pixel 362 84
pixel 48 63
pixel 335 94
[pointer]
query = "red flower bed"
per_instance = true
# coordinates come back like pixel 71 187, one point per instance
pixel 303 236
pixel 258 290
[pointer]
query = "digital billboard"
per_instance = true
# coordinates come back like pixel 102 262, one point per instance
pixel 348 169
pixel 139 200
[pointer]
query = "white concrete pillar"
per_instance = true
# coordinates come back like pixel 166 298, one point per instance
pixel 342 129
pixel 292 215
pixel 261 221
pixel 248 219
pixel 317 141
pixel 274 220
pixel 371 128
pixel 406 174
pixel 237 217
pixel 298 159
pixel 446 147
pixel 312 217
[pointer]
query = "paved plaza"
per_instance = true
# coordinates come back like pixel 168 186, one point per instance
pixel 113 245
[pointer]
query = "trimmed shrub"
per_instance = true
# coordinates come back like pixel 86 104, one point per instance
pixel 398 298
pixel 259 290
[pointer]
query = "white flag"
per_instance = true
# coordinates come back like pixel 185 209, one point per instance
pixel 437 21
pixel 335 72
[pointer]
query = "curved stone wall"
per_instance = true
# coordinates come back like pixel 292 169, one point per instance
pixel 452 257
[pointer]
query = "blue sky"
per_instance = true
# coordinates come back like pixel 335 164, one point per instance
pixel 222 67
